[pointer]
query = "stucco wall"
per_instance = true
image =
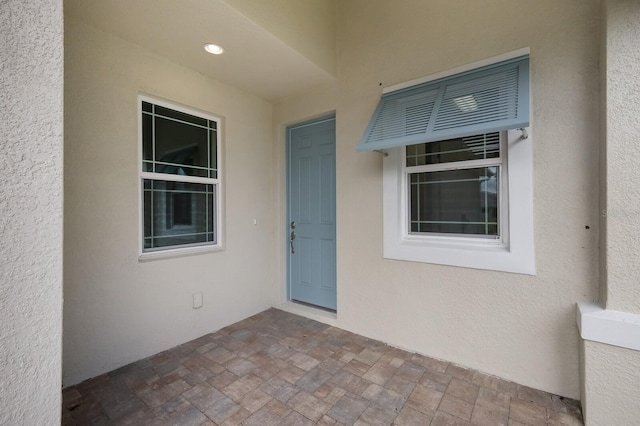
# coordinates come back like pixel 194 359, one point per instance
pixel 31 49
pixel 611 382
pixel 603 155
pixel 622 173
pixel 610 374
pixel 117 309
pixel 518 327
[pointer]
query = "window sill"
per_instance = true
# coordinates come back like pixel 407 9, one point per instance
pixel 177 252
pixel 495 257
pixel 455 242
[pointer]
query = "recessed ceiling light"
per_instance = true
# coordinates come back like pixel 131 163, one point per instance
pixel 214 49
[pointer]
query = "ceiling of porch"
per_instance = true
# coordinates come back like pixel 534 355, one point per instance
pixel 266 52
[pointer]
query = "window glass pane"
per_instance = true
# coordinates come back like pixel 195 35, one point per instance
pixel 461 149
pixel 147 187
pixel 211 217
pixel 213 172
pixel 146 106
pixel 178 213
pixel 166 112
pixel 180 148
pixel 147 139
pixel 455 202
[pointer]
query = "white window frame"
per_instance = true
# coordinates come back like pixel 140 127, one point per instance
pixel 172 251
pixel 503 196
pixel 513 252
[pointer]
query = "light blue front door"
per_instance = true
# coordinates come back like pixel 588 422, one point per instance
pixel 311 235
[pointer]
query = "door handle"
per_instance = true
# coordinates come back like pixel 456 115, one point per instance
pixel 293 237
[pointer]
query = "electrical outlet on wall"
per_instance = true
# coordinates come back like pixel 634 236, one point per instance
pixel 197 300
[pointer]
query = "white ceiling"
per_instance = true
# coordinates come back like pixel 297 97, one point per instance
pixel 254 59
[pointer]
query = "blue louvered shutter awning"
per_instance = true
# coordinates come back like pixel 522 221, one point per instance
pixel 489 99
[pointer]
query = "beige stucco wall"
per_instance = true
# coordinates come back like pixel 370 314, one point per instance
pixel 611 382
pixel 118 309
pixel 518 327
pixel 622 174
pixel 602 166
pixel 307 26
pixel 610 374
pixel 31 51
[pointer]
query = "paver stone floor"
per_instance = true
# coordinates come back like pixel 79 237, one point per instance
pixel 276 368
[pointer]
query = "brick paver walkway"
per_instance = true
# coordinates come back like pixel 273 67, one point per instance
pixel 276 368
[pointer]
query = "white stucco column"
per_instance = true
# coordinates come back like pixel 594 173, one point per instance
pixel 31 123
pixel 611 329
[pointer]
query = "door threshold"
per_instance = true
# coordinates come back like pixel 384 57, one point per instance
pixel 309 311
pixel 311 305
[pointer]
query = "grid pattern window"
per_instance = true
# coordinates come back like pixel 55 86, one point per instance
pixel 454 187
pixel 179 177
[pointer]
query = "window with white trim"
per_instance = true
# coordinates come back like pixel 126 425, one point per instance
pixel 179 177
pixel 458 166
pixel 454 187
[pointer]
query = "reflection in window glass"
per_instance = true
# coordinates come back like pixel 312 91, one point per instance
pixel 177 143
pixel 455 201
pixel 180 185
pixel 178 213
pixel 478 147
